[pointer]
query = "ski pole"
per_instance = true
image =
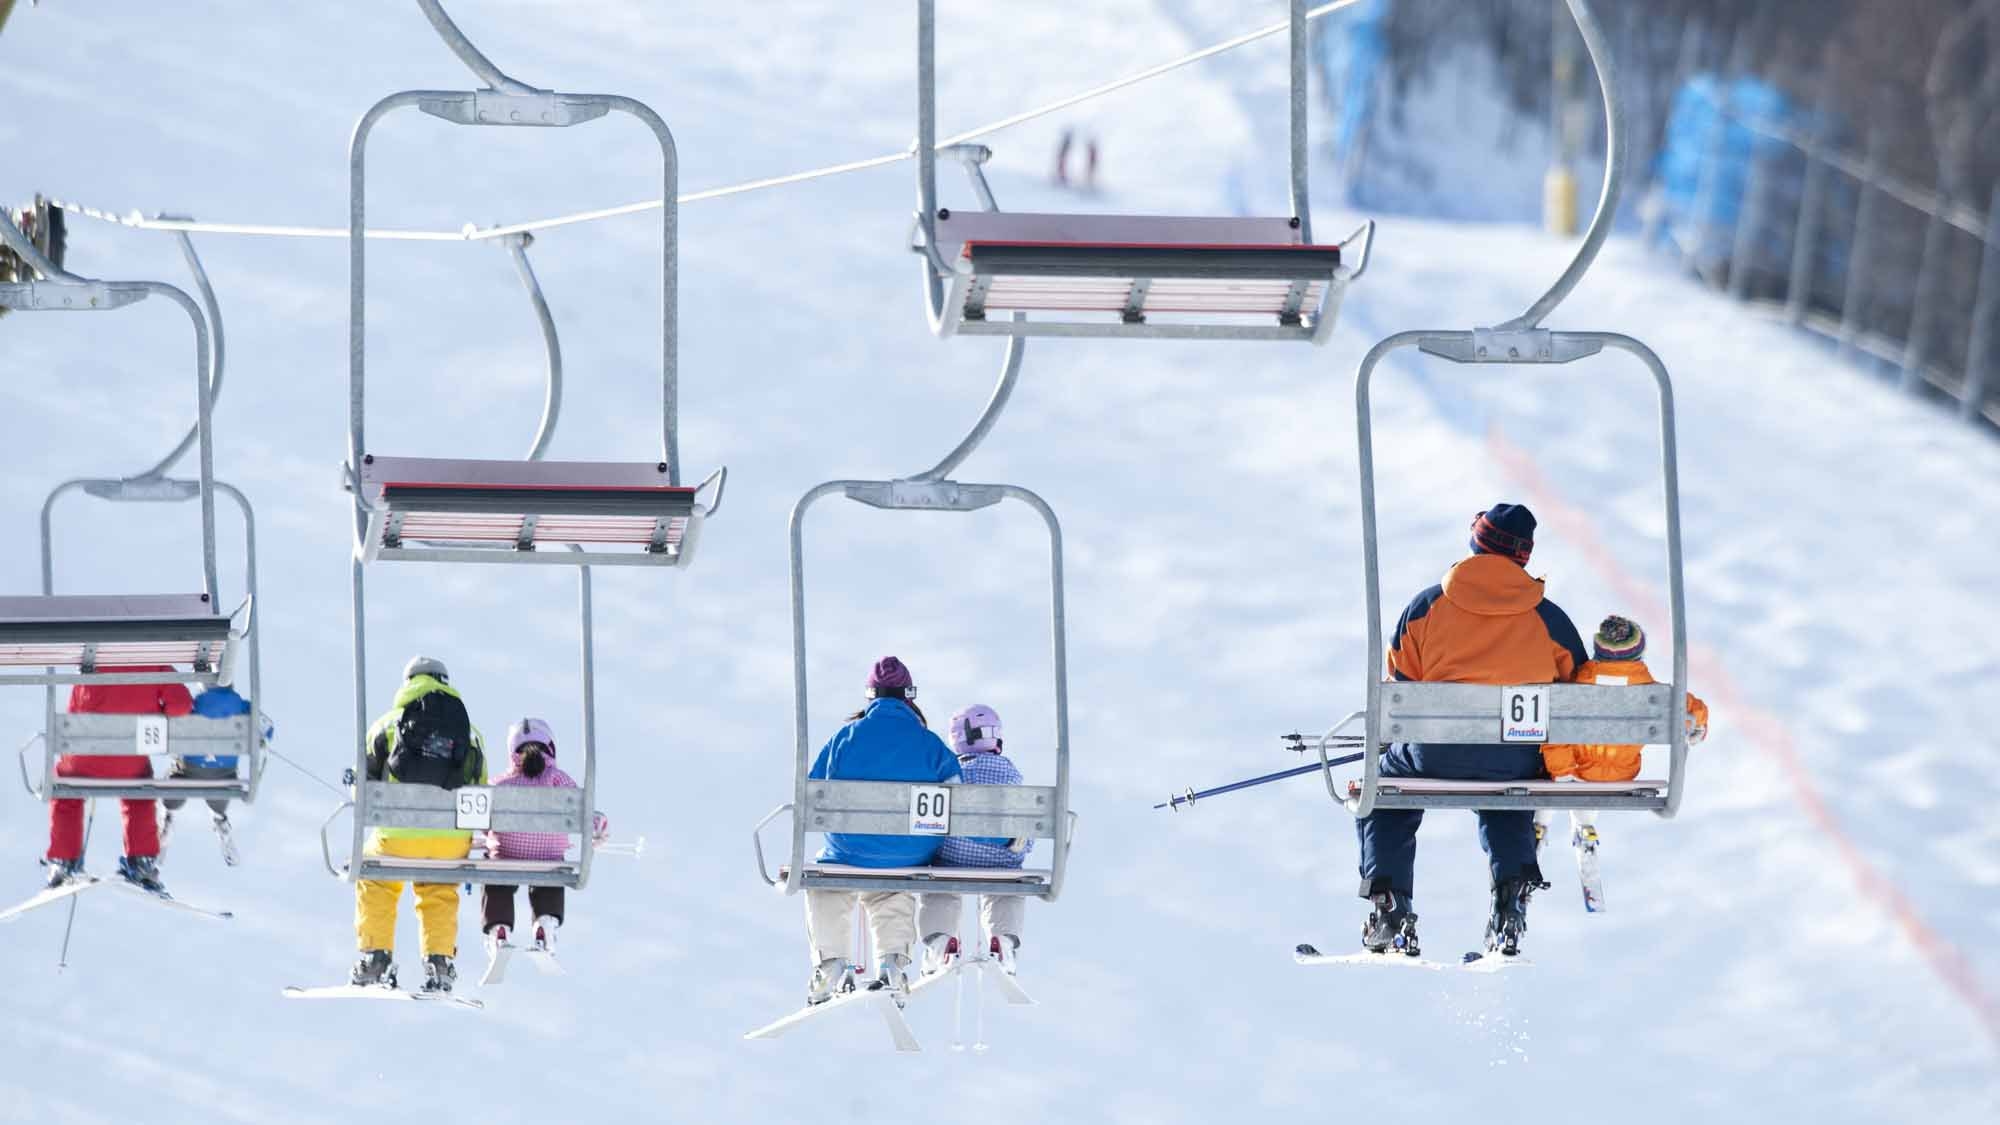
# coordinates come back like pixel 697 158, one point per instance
pixel 1191 795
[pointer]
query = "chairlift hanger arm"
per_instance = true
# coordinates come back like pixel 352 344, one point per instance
pixel 475 60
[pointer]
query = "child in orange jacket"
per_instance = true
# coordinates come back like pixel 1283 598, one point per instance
pixel 1617 658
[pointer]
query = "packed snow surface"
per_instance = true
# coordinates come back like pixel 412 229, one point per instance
pixel 1811 940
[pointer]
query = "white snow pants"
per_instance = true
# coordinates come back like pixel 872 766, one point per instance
pixel 829 922
pixel 998 914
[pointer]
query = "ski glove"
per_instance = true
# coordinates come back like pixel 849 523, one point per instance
pixel 600 828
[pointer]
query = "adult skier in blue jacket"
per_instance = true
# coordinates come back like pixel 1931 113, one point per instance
pixel 888 740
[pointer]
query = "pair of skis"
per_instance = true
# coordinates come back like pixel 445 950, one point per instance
pixel 890 1009
pixel 540 956
pixel 82 883
pixel 1583 839
pixel 380 992
pixel 1471 962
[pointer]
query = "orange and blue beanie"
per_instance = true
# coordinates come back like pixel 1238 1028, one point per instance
pixel 1618 638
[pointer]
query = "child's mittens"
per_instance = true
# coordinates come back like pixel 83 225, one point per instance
pixel 600 828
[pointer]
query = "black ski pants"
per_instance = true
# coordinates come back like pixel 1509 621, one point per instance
pixel 496 902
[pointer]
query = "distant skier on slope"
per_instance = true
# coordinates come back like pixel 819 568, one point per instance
pixel 975 738
pixel 888 740
pixel 531 752
pixel 1486 623
pixel 140 865
pixel 1617 656
pixel 426 738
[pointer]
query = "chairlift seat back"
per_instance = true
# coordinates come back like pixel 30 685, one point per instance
pixel 380 804
pixel 74 638
pixel 442 509
pixel 883 808
pixel 1235 278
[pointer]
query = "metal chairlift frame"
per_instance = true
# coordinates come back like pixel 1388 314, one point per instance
pixel 1039 812
pixel 1471 713
pixel 238 736
pixel 503 102
pixel 1147 250
pixel 92 632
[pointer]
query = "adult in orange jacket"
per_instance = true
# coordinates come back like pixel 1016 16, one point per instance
pixel 1486 623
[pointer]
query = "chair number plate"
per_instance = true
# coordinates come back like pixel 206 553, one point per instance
pixel 475 806
pixel 930 811
pixel 1524 713
pixel 152 734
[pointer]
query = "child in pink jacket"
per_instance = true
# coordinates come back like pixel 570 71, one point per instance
pixel 531 749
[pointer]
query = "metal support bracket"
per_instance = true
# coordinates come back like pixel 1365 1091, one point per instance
pixel 74 296
pixel 940 495
pixel 1510 345
pixel 544 109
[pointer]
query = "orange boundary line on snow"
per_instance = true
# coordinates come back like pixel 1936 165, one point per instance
pixel 1580 530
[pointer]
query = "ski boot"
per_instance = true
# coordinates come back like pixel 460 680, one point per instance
pixel 833 977
pixel 1391 926
pixel 545 933
pixel 439 973
pixel 376 966
pixel 63 872
pixel 143 872
pixel 1584 838
pixel 1002 948
pixel 1510 914
pixel 940 953
pixel 226 837
pixel 496 940
pixel 894 978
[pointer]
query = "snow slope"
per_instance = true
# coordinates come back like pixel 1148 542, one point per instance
pixel 1810 940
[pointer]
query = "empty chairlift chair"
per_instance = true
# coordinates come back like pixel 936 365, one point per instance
pixel 1532 713
pixel 56 639
pixel 576 513
pixel 1226 278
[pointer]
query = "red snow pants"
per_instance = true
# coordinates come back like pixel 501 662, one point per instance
pixel 142 823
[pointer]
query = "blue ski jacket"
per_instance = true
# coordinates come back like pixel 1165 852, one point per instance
pixel 217 703
pixel 887 743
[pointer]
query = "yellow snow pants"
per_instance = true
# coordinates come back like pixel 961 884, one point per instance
pixel 375 900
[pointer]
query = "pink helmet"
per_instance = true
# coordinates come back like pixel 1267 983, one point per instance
pixel 525 731
pixel 975 730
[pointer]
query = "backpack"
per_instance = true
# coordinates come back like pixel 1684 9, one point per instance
pixel 433 741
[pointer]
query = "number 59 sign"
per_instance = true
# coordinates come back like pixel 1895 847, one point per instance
pixel 475 806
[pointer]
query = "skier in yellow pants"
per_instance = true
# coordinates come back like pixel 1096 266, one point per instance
pixel 425 739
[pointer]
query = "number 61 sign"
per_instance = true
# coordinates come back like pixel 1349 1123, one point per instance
pixel 1524 713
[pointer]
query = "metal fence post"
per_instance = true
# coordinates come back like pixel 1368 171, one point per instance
pixel 1979 358
pixel 1861 247
pixel 1924 303
pixel 1749 218
pixel 1805 236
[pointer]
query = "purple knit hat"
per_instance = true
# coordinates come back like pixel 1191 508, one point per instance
pixel 889 679
pixel 1507 530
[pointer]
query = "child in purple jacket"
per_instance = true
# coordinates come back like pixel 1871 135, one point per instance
pixel 531 749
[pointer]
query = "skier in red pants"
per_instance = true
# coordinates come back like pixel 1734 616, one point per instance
pixel 140 865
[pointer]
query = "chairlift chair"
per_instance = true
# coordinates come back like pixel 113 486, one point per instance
pixel 94 639
pixel 1038 812
pixel 572 513
pixel 1402 711
pixel 1179 277
pixel 181 735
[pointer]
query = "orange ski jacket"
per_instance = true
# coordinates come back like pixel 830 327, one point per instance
pixel 1486 623
pixel 1605 762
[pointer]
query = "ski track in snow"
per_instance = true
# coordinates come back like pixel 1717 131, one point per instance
pixel 1207 494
